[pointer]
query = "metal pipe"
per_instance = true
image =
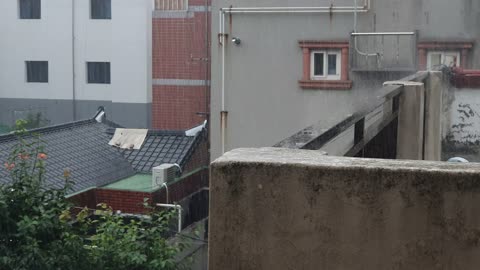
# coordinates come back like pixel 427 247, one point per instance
pixel 384 34
pixel 207 67
pixel 166 189
pixel 223 112
pixel 355 38
pixel 224 44
pixel 176 207
pixel 74 94
pixel 295 11
pixel 223 128
pixel 228 10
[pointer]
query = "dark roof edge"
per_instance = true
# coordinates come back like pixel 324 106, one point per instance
pixel 42 130
pixel 111 131
pixel 12 135
pixel 197 141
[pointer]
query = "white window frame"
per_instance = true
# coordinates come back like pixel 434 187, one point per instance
pixel 326 76
pixel 443 54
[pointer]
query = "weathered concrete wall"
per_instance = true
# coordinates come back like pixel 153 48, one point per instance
pixel 461 125
pixel 291 209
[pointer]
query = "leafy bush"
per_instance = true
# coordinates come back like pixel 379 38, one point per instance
pixel 39 231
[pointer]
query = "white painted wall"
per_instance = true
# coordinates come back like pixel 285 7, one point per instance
pixel 463 116
pixel 125 41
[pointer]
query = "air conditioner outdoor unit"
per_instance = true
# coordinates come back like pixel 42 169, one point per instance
pixel 163 174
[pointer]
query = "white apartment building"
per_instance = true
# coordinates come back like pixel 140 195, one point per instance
pixel 62 59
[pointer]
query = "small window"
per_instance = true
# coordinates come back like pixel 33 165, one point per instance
pixel 30 9
pixel 332 64
pixel 98 72
pixel 101 9
pixel 318 64
pixel 325 65
pixel 37 71
pixel 443 58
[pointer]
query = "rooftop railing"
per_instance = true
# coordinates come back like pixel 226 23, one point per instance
pixel 378 131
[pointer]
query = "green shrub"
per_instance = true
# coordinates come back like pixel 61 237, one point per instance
pixel 38 230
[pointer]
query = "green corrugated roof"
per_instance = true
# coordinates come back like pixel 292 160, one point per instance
pixel 138 182
pixel 143 182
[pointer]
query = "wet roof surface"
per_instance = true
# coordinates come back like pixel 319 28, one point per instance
pixel 82 147
pixel 161 147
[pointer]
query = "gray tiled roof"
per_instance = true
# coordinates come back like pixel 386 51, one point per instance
pixel 83 148
pixel 162 147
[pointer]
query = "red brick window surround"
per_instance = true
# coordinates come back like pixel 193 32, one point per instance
pixel 461 48
pixel 333 75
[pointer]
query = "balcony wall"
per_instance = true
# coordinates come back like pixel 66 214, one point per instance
pixel 276 208
pixel 461 123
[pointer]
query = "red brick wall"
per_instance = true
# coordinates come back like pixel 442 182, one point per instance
pixel 199 158
pixel 132 202
pixel 123 200
pixel 177 107
pixel 179 52
pixel 85 199
pixel 181 189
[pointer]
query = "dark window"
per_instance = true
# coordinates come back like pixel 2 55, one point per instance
pixel 37 71
pixel 98 72
pixel 30 9
pixel 318 64
pixel 101 9
pixel 332 64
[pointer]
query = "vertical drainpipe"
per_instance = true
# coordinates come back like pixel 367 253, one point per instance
pixel 207 71
pixel 223 113
pixel 74 105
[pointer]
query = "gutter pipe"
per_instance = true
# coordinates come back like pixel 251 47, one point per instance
pixel 176 207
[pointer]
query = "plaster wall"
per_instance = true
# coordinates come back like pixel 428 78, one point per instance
pixel 461 127
pixel 264 101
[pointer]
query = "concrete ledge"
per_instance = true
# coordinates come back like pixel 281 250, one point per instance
pixel 293 209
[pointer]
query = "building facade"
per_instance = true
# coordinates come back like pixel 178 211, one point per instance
pixel 109 40
pixel 61 60
pixel 181 66
pixel 280 67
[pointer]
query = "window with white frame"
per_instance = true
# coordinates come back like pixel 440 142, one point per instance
pixel 443 58
pixel 325 65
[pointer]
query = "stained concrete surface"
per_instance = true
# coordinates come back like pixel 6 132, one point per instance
pixel 294 209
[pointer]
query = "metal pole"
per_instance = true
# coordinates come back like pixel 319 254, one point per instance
pixel 74 105
pixel 384 34
pixel 176 207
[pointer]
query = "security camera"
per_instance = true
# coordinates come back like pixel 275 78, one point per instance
pixel 236 40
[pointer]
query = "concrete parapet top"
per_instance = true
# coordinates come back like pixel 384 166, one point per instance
pixel 274 208
pixel 310 158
